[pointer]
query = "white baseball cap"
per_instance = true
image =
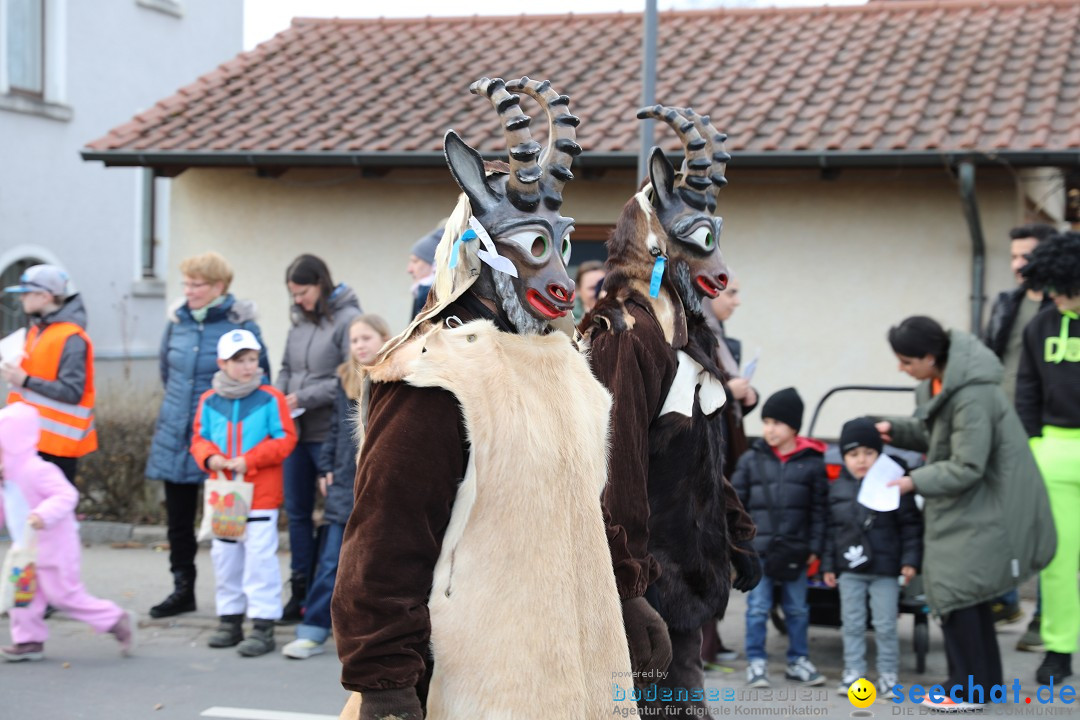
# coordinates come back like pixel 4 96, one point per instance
pixel 233 342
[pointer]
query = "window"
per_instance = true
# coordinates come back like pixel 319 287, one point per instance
pixel 11 314
pixel 25 46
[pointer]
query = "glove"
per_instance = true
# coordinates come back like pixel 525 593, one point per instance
pixel 747 566
pixel 398 704
pixel 647 636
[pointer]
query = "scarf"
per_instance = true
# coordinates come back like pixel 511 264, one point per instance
pixel 200 314
pixel 231 389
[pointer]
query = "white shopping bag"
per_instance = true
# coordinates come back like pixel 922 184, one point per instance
pixel 18 577
pixel 226 506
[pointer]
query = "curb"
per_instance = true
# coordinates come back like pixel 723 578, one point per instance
pixel 100 532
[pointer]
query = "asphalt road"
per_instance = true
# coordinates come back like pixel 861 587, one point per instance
pixel 174 676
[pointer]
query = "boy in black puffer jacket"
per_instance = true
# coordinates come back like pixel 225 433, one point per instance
pixel 868 550
pixel 781 483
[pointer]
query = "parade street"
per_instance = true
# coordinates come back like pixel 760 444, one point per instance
pixel 175 676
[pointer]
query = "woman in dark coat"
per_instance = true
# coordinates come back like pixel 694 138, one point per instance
pixel 317 344
pixel 188 361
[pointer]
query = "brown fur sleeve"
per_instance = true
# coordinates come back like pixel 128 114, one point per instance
pixel 410 465
pixel 635 380
pixel 740 526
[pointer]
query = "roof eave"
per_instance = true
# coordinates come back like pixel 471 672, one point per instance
pixel 762 159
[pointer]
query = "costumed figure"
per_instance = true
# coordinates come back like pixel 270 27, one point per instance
pixel 475 576
pixel 679 529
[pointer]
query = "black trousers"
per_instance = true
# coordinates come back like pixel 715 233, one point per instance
pixel 181 504
pixel 971 648
pixel 67 465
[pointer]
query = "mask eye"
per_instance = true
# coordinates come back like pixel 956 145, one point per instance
pixel 532 242
pixel 470 337
pixel 566 250
pixel 703 237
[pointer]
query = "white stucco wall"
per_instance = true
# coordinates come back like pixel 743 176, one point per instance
pixel 118 58
pixel 826 266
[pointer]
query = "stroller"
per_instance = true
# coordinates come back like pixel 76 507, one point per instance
pixel 823 601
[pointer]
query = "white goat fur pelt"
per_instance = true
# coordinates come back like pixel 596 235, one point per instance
pixel 526 621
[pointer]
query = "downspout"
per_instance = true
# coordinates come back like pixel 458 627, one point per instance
pixel 978 246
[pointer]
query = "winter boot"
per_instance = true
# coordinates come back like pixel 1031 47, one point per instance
pixel 181 600
pixel 294 609
pixel 259 641
pixel 1031 640
pixel 230 631
pixel 126 631
pixel 1055 668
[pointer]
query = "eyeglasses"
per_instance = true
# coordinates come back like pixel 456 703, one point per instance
pixel 194 285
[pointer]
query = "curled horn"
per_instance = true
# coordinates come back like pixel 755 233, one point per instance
pixel 522 187
pixel 693 179
pixel 562 147
pixel 714 141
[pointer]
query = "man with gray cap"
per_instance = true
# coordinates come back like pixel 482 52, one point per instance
pixel 56 373
pixel 422 266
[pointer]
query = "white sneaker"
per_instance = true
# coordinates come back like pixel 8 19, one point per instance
pixel 757 674
pixel 885 685
pixel 302 649
pixel 803 672
pixel 847 680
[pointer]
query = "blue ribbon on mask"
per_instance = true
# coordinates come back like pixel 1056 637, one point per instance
pixel 455 251
pixel 657 276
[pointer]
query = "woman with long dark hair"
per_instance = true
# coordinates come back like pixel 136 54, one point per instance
pixel 987 520
pixel 317 344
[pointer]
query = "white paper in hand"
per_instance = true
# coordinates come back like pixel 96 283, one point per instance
pixel 875 492
pixel 11 347
pixel 751 367
pixel 296 412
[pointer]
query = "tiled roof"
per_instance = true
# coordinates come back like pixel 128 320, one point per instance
pixel 886 78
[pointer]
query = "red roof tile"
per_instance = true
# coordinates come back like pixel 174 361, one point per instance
pixel 887 77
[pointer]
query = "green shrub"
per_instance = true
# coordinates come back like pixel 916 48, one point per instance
pixel 112 481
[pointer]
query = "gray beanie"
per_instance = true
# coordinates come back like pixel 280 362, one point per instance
pixel 424 248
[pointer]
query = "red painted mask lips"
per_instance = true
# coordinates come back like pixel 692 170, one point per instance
pixel 544 307
pixel 708 286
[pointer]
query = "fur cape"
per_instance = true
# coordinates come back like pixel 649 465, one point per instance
pixel 526 620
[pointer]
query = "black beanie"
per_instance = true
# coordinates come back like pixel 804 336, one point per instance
pixel 859 432
pixel 786 406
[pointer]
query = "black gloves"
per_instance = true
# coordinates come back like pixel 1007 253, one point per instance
pixel 399 704
pixel 747 566
pixel 647 636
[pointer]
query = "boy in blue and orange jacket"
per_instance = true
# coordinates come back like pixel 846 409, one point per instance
pixel 243 427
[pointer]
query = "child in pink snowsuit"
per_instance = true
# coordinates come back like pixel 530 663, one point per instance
pixel 37 492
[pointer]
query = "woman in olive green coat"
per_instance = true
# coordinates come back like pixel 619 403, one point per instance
pixel 988 525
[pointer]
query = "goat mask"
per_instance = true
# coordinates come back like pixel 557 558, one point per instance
pixel 683 235
pixel 518 231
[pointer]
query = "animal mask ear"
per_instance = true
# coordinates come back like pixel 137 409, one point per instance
pixel 467 167
pixel 662 176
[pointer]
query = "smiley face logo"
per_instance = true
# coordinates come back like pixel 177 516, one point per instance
pixel 862 693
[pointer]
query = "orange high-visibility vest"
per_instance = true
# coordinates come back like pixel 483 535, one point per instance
pixel 66 430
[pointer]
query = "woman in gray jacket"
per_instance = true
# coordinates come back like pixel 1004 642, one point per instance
pixel 988 525
pixel 317 344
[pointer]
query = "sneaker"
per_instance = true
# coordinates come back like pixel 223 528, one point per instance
pixel 126 631
pixel 725 654
pixel 229 632
pixel 302 649
pixel 1055 667
pixel 1031 640
pixel 803 672
pixel 948 705
pixel 259 641
pixel 885 684
pixel 846 681
pixel 757 674
pixel 1006 614
pixel 24 652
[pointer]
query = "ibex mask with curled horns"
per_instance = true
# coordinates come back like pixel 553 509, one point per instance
pixel 668 235
pixel 521 236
